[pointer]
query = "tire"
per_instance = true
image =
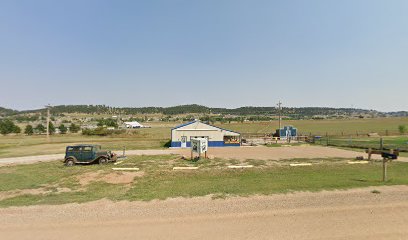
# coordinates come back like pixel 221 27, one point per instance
pixel 103 160
pixel 69 162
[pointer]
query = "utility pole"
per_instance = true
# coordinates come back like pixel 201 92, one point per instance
pixel 48 122
pixel 279 111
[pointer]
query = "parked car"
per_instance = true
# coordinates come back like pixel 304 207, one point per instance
pixel 86 154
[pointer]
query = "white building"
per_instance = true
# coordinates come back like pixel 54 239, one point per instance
pixel 134 124
pixel 217 137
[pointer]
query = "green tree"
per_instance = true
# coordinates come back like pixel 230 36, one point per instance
pixel 29 130
pixel 7 126
pixel 51 128
pixel 74 128
pixel 63 129
pixel 402 129
pixel 16 129
pixel 40 128
pixel 109 122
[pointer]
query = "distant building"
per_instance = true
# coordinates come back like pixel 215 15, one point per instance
pixel 217 137
pixel 134 124
pixel 287 132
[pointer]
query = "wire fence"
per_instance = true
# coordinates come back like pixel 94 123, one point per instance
pixel 380 143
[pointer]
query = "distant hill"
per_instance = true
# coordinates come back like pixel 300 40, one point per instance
pixel 301 112
pixel 6 111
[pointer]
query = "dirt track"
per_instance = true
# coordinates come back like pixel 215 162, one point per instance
pixel 353 214
pixel 265 153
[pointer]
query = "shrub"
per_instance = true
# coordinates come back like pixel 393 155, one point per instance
pixel 7 126
pixel 402 129
pixel 74 128
pixel 63 129
pixel 101 131
pixel 29 130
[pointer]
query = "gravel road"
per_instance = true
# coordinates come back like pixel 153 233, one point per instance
pixel 54 157
pixel 352 214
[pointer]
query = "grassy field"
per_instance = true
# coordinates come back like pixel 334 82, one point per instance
pixel 159 134
pixel 52 183
pixel 20 145
pixel 321 127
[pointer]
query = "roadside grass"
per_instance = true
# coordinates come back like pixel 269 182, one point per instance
pixel 159 181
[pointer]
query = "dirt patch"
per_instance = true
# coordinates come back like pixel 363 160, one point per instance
pixel 121 177
pixel 87 178
pixel 278 153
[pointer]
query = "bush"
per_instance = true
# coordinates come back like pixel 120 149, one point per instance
pixel 16 129
pixel 40 128
pixel 7 126
pixel 51 128
pixel 167 144
pixel 109 122
pixel 29 130
pixel 402 129
pixel 74 128
pixel 101 131
pixel 63 129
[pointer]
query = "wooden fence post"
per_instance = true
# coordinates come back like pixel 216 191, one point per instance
pixel 384 169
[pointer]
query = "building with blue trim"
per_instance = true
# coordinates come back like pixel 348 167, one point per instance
pixel 217 137
pixel 285 133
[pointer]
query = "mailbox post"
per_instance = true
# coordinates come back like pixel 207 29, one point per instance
pixel 388 157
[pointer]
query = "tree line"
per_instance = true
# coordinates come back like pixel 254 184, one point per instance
pixel 7 127
pixel 195 108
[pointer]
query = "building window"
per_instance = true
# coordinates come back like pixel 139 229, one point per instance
pixel 231 139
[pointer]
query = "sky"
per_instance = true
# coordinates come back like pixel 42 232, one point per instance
pixel 217 53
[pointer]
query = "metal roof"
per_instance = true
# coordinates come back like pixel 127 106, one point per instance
pixel 84 145
pixel 186 124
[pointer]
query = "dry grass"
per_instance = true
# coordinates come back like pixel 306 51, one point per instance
pixel 159 134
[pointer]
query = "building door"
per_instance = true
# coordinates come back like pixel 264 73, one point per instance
pixel 183 141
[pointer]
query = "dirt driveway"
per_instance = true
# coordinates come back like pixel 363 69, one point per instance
pixel 241 153
pixel 280 153
pixel 352 214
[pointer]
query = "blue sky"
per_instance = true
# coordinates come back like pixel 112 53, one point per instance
pixel 221 53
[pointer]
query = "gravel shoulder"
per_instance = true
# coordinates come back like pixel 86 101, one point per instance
pixel 351 214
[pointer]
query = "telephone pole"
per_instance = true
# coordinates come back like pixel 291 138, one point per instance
pixel 279 111
pixel 48 122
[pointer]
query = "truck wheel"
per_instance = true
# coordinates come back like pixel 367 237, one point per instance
pixel 69 162
pixel 103 161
